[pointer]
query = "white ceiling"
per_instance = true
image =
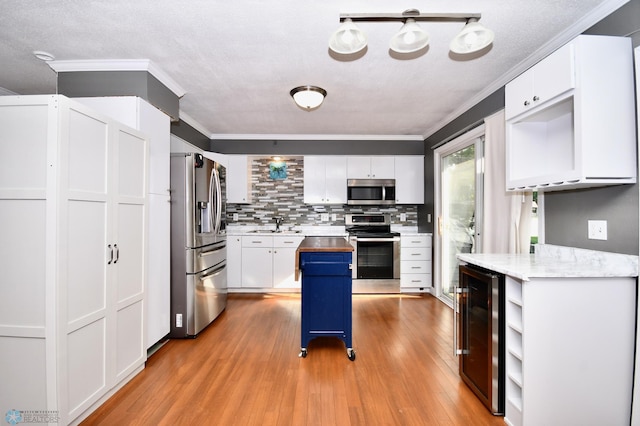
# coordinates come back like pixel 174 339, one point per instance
pixel 238 60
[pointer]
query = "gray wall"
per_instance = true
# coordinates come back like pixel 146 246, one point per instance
pixel 317 147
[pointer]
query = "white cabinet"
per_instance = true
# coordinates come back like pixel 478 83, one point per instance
pixel 325 179
pixel 155 124
pixel 74 221
pixel 239 179
pixel 415 262
pixel 565 344
pixel 580 131
pixel 234 261
pixel 409 174
pixel 378 167
pixel 284 258
pixel 269 261
pixel 549 78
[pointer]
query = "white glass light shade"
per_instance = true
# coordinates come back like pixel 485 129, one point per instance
pixel 410 38
pixel 348 39
pixel 308 97
pixel 473 37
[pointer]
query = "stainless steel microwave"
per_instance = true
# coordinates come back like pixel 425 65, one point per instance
pixel 371 191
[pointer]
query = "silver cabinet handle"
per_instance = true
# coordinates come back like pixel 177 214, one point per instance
pixel 536 98
pixel 526 103
pixel 110 254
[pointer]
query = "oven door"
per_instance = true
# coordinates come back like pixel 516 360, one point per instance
pixel 376 264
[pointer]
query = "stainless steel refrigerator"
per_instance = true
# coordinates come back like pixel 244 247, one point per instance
pixel 198 243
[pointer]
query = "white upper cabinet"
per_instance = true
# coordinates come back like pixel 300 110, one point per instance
pixel 377 167
pixel 552 76
pixel 325 179
pixel 409 179
pixel 239 179
pixel 570 119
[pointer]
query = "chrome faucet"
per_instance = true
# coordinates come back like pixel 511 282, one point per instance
pixel 278 222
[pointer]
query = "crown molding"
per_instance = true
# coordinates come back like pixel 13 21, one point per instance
pixel 118 65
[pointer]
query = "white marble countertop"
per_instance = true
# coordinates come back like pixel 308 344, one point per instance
pixel 556 262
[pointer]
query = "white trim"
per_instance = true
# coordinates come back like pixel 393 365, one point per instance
pixel 118 65
pixel 571 32
pixel 284 137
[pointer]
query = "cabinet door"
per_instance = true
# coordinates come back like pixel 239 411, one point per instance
pixel 130 170
pixel 383 168
pixel 87 274
pixel 358 167
pixel 258 267
pixel 234 262
pixel 284 267
pixel 554 75
pixel 518 94
pixel 238 179
pixel 314 179
pixel 336 180
pixel 409 179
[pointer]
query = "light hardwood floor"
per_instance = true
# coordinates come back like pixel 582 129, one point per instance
pixel 244 369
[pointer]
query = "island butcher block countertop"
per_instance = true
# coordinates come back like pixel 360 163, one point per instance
pixel 316 244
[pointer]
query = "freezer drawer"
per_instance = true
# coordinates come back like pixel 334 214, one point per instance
pixel 202 258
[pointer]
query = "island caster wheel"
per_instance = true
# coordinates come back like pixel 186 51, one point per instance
pixel 351 354
pixel 303 353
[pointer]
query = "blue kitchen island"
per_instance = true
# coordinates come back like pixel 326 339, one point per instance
pixel 325 264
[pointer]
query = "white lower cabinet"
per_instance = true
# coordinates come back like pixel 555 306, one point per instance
pixel 415 262
pixel 74 217
pixel 569 351
pixel 269 261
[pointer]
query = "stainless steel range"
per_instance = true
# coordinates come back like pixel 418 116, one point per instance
pixel 376 256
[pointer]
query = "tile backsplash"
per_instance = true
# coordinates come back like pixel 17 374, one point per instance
pixel 284 198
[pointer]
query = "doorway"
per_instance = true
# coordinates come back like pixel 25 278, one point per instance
pixel 458 167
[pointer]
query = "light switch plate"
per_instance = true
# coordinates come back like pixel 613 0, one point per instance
pixel 403 217
pixel 597 229
pixel 324 217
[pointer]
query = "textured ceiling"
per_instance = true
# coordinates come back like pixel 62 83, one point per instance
pixel 238 60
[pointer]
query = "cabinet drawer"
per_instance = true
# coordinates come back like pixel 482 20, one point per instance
pixel 415 267
pixel 257 241
pixel 288 241
pixel 416 241
pixel 415 280
pixel 414 253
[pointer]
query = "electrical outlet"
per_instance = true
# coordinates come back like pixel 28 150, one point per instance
pixel 597 229
pixel 334 217
pixel 324 217
pixel 235 217
pixel 403 217
pixel 178 320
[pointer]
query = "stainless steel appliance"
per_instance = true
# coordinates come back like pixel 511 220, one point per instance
pixel 479 333
pixel 198 243
pixel 376 255
pixel 371 191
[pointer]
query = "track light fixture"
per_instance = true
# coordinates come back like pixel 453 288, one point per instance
pixel 349 39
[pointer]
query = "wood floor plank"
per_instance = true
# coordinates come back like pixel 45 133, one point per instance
pixel 244 369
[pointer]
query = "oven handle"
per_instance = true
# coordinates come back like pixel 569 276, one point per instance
pixel 376 240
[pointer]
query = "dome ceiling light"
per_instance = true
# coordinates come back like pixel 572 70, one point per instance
pixel 308 97
pixel 349 39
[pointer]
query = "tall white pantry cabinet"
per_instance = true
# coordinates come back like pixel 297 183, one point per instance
pixel 73 216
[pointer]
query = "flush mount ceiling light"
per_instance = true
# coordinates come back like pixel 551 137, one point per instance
pixel 473 37
pixel 308 97
pixel 348 39
pixel 411 37
pixel 43 56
